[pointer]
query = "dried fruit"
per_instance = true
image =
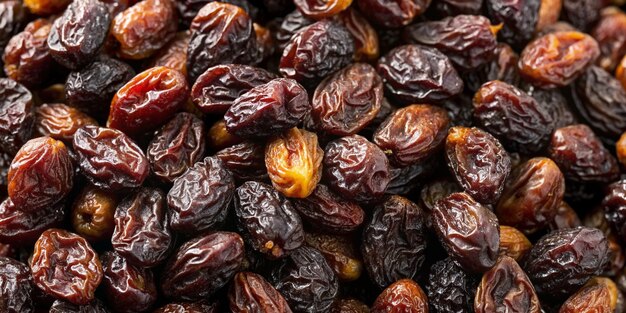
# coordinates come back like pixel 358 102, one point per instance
pixel 404 295
pixel 250 292
pixel 450 288
pixel 319 9
pixel 392 13
pixel 127 288
pixel 60 121
pixel 513 243
pixel 27 57
pixel 16 115
pixel 16 287
pixel 92 213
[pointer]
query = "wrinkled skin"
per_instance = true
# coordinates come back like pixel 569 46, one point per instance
pixel 92 213
pixel 188 9
pixel 450 288
pixel 609 32
pixel 356 168
pixel 583 14
pixel 468 40
pixel 347 101
pixel 250 292
pixel 591 298
pixel 614 205
pixel 12 18
pixel 456 7
pixel 317 51
pixel 60 121
pixel 340 252
pixel 16 287
pixel 478 161
pixel 245 160
pixel 219 86
pixel 555 103
pixel 394 241
pixel 392 13
pixel 64 265
pixel 148 100
pixel 268 109
pixel 221 33
pixel 127 288
pixel 468 231
pixel 41 174
pixel 188 307
pixel 95 306
pixel 564 260
pixel 332 213
pixel 23 229
pixel 269 221
pixel 513 116
pixel 350 306
pixel 513 243
pixel 319 9
pixel 306 281
pixel 16 115
pixel 142 233
pixel 174 54
pixel 76 37
pixel 418 74
pixel 366 43
pixel 293 23
pixel 177 146
pixel 202 265
pixel 506 288
pixel 199 199
pixel 404 295
pixel 532 195
pixel 109 159
pixel 519 19
pixel 502 67
pixel 413 134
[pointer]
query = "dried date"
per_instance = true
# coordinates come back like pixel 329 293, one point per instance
pixel 250 292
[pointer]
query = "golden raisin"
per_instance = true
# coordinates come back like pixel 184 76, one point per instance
pixel 219 137
pixel 513 243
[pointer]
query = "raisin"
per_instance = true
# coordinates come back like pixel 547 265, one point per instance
pixel 202 265
pixel 600 100
pixel 614 294
pixel 413 134
pixel 513 116
pixel 306 281
pixel 294 162
pixel 418 74
pixel 350 306
pixel 60 121
pixel 340 253
pixel 187 307
pixel 502 67
pixel 565 217
pixel 392 13
pixel 513 243
pixel 356 168
pixel 95 306
pixel 46 7
pixel 144 28
pixel 27 58
pixel 109 159
pixel 177 146
pixel 219 138
pixel 76 37
pixel 394 241
pixel 614 205
pixel 127 288
pixel 450 288
pixel 16 287
pixel 581 156
pixel 330 212
pixel 219 86
pixel 293 23
pixel 245 160
pixel 404 295
pixel 583 14
pixel 319 9
pixel 174 54
pixel 13 16
pixel 506 288
pixel 404 180
pixel 23 228
pixel 264 40
pixel 593 298
pixel 92 88
pixel 148 100
pixel 317 51
pixel 468 40
pixel 268 109
pixel 532 195
pixel 250 292
pixel 269 221
pixel 366 47
pixel 557 59
pixel 199 199
pixel 41 174
pixel 221 33
pixel 64 265
pixel 16 115
pixel 348 100
pixel 608 32
pixel 564 260
pixel 478 161
pixel 468 231
pixel 519 19
pixel 142 233
pixel 554 102
pixel 92 213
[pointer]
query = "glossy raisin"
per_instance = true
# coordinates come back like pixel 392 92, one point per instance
pixel 564 260
pixel 519 19
pixel 317 51
pixel 588 299
pixel 394 241
pixel 142 233
pixel 64 265
pixel 177 146
pixel 347 101
pixel 418 74
pixel 16 115
pixel 392 13
pixel 268 109
pixel 16 287
pixel 174 54
pixel 404 295
pixel 41 174
pixel 202 265
pixel 250 292
pixel 188 307
pixel 502 67
pixel 92 213
pixel 614 205
pixel 270 223
pixel 340 252
pixel 478 161
pixel 95 306
pixel 293 23
pixel 27 58
pixel 60 121
pixel 22 228
pixel 13 16
pixel 76 37
pixel 144 28
pixel 127 288
pixel 319 9
pixel 513 243
pixel 506 288
pixel 456 7
pixel 221 33
pixel 555 103
pixel 356 168
pixel 366 46
pixel 245 160
pixel 219 86
pixel 350 306
pixel 109 159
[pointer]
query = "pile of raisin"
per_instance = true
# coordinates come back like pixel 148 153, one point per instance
pixel 313 156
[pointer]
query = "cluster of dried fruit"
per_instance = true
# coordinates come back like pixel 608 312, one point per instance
pixel 342 156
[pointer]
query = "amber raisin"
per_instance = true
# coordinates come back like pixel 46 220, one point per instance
pixel 404 295
pixel 513 243
pixel 60 121
pixel 92 213
pixel 250 292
